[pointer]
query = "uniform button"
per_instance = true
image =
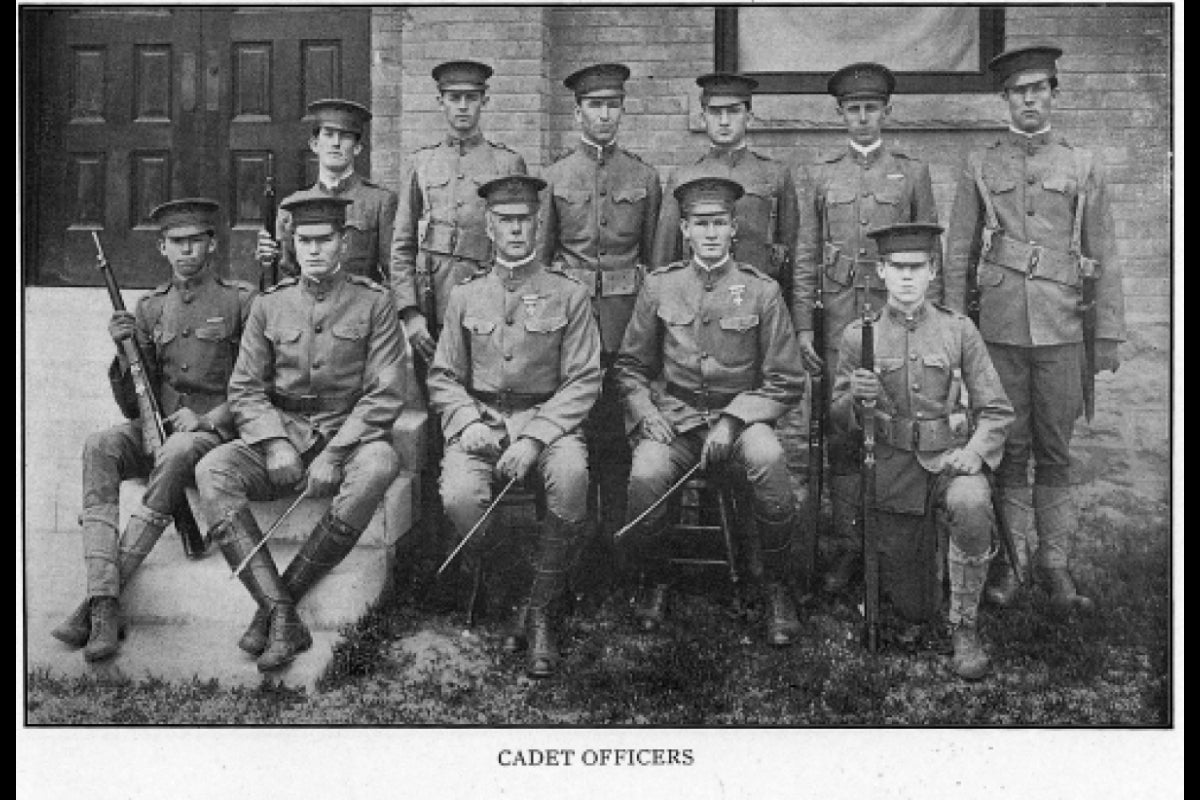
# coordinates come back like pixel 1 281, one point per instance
pixel 916 386
pixel 510 288
pixel 862 222
pixel 603 252
pixel 708 288
pixel 461 176
pixel 913 356
pixel 187 298
pixel 183 367
pixel 508 321
pixel 1031 180
pixel 866 194
pixel 462 202
pixel 1030 212
pixel 508 356
pixel 603 191
pixel 316 365
pixel 318 328
pixel 187 332
pixel 862 251
pixel 604 222
pixel 705 319
pixel 703 355
pixel 320 297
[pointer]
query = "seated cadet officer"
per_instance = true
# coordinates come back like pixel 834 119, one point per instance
pixel 188 330
pixel 516 371
pixel 318 383
pixel 708 364
pixel 926 357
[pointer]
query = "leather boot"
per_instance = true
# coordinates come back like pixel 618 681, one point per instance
pixel 543 649
pixel 775 538
pixel 970 660
pixel 1056 522
pixel 141 534
pixel 1003 589
pixel 515 640
pixel 237 535
pixel 651 609
pixel 783 627
pixel 843 493
pixel 103 639
pixel 551 564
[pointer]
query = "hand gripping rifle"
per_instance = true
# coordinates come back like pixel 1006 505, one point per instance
pixel 269 214
pixel 870 534
pixel 816 438
pixel 154 429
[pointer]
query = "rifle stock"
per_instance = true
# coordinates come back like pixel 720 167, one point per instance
pixel 269 213
pixel 150 417
pixel 870 533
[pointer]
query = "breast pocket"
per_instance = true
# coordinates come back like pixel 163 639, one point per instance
pixel 738 341
pixel 677 327
pixel 891 374
pixel 840 208
pixel 360 233
pixel 888 204
pixel 543 338
pixel 349 342
pixel 628 208
pixel 997 180
pixel 573 208
pixel 437 188
pixel 1057 198
pixel 218 344
pixel 935 376
pixel 288 347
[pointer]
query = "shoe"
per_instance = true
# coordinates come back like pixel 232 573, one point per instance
pixel 76 629
pixel 288 638
pixel 653 610
pixel 254 641
pixel 783 628
pixel 543 650
pixel 843 571
pixel 105 634
pixel 970 660
pixel 1063 595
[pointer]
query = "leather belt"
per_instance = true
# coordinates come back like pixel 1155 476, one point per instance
pixel 914 435
pixel 508 401
pixel 701 400
pixel 312 403
pixel 1034 260
pixel 448 239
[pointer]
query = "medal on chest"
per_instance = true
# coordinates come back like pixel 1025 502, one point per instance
pixel 532 303
pixel 737 293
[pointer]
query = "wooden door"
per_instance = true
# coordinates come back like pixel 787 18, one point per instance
pixel 127 107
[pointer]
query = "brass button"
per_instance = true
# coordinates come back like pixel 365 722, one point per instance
pixel 187 332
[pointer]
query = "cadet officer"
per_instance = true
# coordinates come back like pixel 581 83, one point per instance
pixel 844 194
pixel 767 214
pixel 1036 211
pixel 928 461
pixel 318 383
pixel 338 127
pixel 440 237
pixel 597 224
pixel 517 369
pixel 188 330
pixel 709 363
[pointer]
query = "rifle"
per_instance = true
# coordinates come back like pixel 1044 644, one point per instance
pixel 154 429
pixel 816 437
pixel 1089 273
pixel 269 214
pixel 870 534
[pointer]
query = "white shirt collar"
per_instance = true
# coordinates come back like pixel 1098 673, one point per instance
pixel 696 260
pixel 866 151
pixel 1015 129
pixel 511 265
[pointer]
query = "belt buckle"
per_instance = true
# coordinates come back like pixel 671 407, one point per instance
pixel 1035 256
pixel 916 435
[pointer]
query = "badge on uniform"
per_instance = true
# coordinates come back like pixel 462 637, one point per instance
pixel 897 175
pixel 214 320
pixel 531 304
pixel 738 292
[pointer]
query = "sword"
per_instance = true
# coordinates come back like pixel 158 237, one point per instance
pixel 479 522
pixel 662 498
pixel 270 532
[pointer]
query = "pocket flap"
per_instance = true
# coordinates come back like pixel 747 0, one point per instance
pixel 888 363
pixel 212 333
pixel 740 323
pixel 349 330
pixel 840 194
pixel 572 196
pixel 477 325
pixel 1059 183
pixel 676 316
pixel 284 335
pixel 545 324
pixel 997 180
pixel 629 195
pixel 938 360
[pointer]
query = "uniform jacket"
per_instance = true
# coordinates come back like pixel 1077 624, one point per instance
pixel 189 331
pixel 724 331
pixel 369 220
pixel 598 214
pixel 529 330
pixel 1036 184
pixel 441 215
pixel 842 196
pixel 766 214
pixel 338 342
pixel 927 361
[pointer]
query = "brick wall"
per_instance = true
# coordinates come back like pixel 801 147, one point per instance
pixel 1116 100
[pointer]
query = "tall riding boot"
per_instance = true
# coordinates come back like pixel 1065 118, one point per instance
pixel 237 535
pixel 553 560
pixel 847 540
pixel 783 626
pixel 1056 524
pixel 967 577
pixel 330 542
pixel 646 557
pixel 141 534
pixel 1003 588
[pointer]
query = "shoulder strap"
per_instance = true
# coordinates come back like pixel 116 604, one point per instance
pixel 976 166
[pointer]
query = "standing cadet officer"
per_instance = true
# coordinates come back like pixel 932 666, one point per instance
pixel 338 127
pixel 597 224
pixel 440 237
pixel 1034 211
pixel 926 357
pixel 843 195
pixel 189 330
pixel 318 383
pixel 516 372
pixel 709 363
pixel 767 214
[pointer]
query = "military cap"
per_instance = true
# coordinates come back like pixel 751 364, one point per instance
pixel 726 84
pixel 314 208
pixel 1025 65
pixel 343 115
pixel 906 237
pixel 511 189
pixel 862 81
pixel 187 216
pixel 462 75
pixel 708 195
pixel 599 80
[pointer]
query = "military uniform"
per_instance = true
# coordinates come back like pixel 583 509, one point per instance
pixel 372 210
pixel 520 353
pixel 1033 212
pixel 843 195
pixel 705 344
pixel 321 367
pixel 767 214
pixel 188 330
pixel 927 360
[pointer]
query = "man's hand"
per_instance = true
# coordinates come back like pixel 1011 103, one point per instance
pixel 284 467
pixel 865 385
pixel 656 428
pixel 417 330
pixel 808 353
pixel 121 326
pixel 962 462
pixel 184 420
pixel 480 440
pixel 519 458
pixel 324 475
pixel 266 250
pixel 719 443
pixel 1106 355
